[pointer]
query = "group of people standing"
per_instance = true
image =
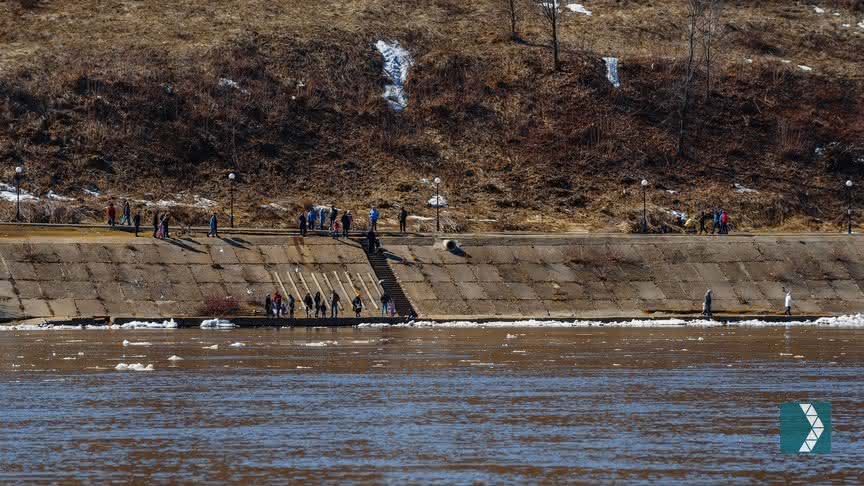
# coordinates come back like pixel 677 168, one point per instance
pixel 276 306
pixel 160 222
pixel 328 219
pixel 718 219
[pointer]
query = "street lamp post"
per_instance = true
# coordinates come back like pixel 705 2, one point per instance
pixel 19 174
pixel 849 206
pixel 644 206
pixel 437 182
pixel 231 177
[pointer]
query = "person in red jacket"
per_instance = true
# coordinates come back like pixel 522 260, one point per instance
pixel 724 222
pixel 112 214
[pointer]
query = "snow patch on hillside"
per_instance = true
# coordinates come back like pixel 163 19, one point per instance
pixel 397 62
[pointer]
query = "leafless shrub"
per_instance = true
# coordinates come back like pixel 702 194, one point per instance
pixel 216 306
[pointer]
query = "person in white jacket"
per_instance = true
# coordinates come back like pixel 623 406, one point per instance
pixel 788 302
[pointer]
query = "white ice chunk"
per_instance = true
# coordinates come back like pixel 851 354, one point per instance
pixel 217 324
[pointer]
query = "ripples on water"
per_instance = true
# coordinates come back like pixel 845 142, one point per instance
pixel 444 405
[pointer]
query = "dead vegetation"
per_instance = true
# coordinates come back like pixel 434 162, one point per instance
pixel 130 101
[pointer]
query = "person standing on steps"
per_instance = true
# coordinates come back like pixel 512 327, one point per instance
pixel 156 221
pixel 373 219
pixel 357 305
pixel 307 302
pixel 334 305
pixel 291 305
pixel 136 221
pixel 323 308
pixel 214 229
pixel 787 302
pixel 346 224
pixel 127 213
pixel 403 220
pixel 371 241
pixel 268 306
pixel 706 305
pixel 112 214
pixel 318 304
pixel 301 221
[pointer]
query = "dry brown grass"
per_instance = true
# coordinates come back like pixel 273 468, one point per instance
pixel 124 96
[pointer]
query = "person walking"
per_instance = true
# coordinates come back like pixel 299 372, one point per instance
pixel 277 304
pixel 291 305
pixel 346 224
pixel 268 306
pixel 307 302
pixel 373 219
pixel 136 221
pixel 385 303
pixel 706 305
pixel 156 222
pixel 715 222
pixel 788 302
pixel 318 304
pixel 334 305
pixel 323 308
pixel 403 220
pixel 333 214
pixel 702 219
pixel 357 305
pixel 724 222
pixel 214 229
pixel 127 213
pixel 112 214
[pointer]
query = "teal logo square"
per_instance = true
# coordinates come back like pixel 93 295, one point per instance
pixel 805 427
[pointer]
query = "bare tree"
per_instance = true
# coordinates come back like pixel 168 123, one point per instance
pixel 513 11
pixel 712 33
pixel 695 12
pixel 552 15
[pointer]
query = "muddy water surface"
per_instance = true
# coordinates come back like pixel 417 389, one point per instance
pixel 425 405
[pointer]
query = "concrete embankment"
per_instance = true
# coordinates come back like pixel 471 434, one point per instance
pixel 491 276
pixel 630 276
pixel 63 277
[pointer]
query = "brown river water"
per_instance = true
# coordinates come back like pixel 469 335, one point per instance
pixel 439 405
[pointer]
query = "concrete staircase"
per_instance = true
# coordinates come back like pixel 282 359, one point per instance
pixel 383 272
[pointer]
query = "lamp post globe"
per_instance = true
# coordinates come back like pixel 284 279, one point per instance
pixel 19 173
pixel 644 205
pixel 231 178
pixel 849 205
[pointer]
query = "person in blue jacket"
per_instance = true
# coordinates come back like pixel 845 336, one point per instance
pixel 373 219
pixel 310 219
pixel 214 232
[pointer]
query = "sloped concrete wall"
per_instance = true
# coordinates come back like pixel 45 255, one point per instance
pixel 630 276
pixel 143 277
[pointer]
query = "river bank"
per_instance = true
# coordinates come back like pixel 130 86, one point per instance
pixel 51 277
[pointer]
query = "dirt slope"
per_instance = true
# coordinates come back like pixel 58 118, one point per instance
pixel 124 97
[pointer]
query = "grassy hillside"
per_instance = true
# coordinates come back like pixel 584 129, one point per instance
pixel 124 97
